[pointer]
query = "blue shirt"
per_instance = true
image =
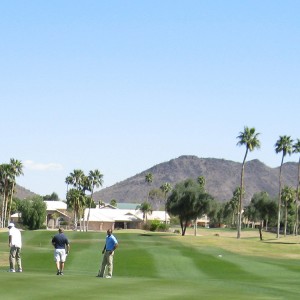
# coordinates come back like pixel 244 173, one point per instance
pixel 60 241
pixel 110 243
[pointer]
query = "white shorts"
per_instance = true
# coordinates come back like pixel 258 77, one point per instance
pixel 60 255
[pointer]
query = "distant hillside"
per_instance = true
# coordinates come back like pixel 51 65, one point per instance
pixel 23 193
pixel 222 177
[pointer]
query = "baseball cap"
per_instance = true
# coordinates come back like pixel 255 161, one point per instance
pixel 11 225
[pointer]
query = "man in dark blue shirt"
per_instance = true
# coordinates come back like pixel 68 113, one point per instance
pixel 62 249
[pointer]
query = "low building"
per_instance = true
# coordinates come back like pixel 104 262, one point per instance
pixel 101 219
pixel 56 214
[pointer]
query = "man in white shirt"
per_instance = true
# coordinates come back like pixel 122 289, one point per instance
pixel 15 244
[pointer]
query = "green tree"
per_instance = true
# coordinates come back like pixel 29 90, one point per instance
pixel 287 198
pixel 146 209
pixel 52 197
pixel 188 202
pixel 201 180
pixel 113 202
pixel 148 180
pixel 284 145
pixel 33 212
pixel 296 149
pixel 8 174
pixel 249 138
pixel 75 201
pixel 95 180
pixel 166 188
pixel 234 205
pixel 261 209
pixel 16 171
pixel 68 181
pixel 5 188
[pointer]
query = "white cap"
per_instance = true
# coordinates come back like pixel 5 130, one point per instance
pixel 11 225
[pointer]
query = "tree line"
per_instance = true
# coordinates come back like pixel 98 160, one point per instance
pixel 187 201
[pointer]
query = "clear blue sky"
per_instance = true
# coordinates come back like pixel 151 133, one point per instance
pixel 121 86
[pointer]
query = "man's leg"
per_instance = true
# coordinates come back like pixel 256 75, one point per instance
pixel 110 265
pixel 19 260
pixel 103 266
pixel 12 258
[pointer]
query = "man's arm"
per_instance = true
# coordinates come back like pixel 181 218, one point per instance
pixel 9 241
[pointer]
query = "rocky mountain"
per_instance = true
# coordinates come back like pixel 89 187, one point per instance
pixel 222 178
pixel 23 193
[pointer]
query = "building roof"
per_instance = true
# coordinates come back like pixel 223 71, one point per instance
pixel 56 205
pixel 122 215
pixel 127 205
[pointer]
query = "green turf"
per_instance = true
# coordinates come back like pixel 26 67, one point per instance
pixel 154 266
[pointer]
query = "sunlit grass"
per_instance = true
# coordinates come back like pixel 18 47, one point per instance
pixel 212 265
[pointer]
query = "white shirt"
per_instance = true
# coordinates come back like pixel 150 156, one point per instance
pixel 16 239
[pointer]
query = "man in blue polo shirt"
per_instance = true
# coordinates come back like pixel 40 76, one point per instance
pixel 62 249
pixel 110 246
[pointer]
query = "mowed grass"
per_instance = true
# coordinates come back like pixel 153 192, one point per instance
pixel 211 265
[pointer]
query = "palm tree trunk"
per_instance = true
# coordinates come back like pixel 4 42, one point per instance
pixel 88 216
pixel 279 199
pixel 241 197
pixel 285 218
pixel 11 196
pixel 297 200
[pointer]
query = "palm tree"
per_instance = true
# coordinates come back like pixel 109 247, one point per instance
pixel 6 174
pixel 284 145
pixel 95 180
pixel 296 149
pixel 148 179
pixel 233 204
pixel 74 199
pixel 249 138
pixel 16 171
pixel 166 188
pixel 146 209
pixel 68 181
pixel 287 197
pixel 201 181
pixel 77 179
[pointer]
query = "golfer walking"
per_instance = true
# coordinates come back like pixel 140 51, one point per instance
pixel 62 248
pixel 15 244
pixel 110 246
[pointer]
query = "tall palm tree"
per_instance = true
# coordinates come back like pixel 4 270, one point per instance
pixel 284 145
pixel 5 175
pixel 16 171
pixel 74 195
pixel 95 180
pixel 77 179
pixel 249 138
pixel 148 180
pixel 296 149
pixel 68 181
pixel 166 188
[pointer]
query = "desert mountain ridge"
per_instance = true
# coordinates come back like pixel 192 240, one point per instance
pixel 222 178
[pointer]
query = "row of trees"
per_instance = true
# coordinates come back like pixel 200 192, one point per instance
pixel 77 198
pixel 8 174
pixel 284 145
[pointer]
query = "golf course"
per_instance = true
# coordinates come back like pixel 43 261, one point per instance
pixel 212 265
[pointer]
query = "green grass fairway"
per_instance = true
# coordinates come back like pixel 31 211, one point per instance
pixel 212 265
